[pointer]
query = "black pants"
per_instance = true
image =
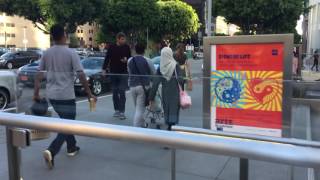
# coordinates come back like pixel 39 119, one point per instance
pixel 315 64
pixel 119 87
pixel 66 109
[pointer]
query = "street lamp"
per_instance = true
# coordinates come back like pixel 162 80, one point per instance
pixel 25 41
pixel 209 18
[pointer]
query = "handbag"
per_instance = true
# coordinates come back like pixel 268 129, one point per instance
pixel 185 99
pixel 146 91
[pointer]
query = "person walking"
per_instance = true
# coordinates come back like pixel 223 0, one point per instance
pixel 182 61
pixel 61 64
pixel 116 62
pixel 139 70
pixel 169 76
pixel 315 61
pixel 295 63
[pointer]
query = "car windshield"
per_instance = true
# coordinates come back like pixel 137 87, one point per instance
pixel 7 55
pixel 35 63
pixel 92 63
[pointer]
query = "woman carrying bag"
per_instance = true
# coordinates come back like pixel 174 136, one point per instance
pixel 169 75
pixel 182 61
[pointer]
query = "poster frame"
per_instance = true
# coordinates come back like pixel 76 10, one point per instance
pixel 285 39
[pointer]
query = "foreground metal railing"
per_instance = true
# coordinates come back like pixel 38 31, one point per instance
pixel 299 153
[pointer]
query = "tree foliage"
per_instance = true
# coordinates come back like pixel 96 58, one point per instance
pixel 176 21
pixel 261 16
pixel 132 17
pixel 171 19
pixel 44 13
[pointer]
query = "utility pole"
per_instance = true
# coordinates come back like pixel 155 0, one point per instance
pixel 209 18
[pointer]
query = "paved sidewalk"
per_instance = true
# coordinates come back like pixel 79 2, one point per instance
pixel 310 75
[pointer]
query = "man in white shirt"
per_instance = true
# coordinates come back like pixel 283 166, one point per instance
pixel 61 64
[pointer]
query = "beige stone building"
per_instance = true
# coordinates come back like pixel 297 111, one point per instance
pixel 17 32
pixel 86 35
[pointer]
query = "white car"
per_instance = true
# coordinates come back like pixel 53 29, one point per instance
pixel 10 90
pixel 198 55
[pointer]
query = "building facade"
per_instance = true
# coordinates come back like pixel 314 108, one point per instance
pixel 86 35
pixel 313 30
pixel 17 32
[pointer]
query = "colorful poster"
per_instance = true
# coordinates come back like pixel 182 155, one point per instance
pixel 247 88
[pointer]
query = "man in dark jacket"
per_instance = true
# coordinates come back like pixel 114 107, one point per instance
pixel 116 61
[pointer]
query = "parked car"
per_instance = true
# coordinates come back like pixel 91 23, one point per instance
pixel 28 72
pixel 198 55
pixel 10 91
pixel 93 70
pixel 97 54
pixel 12 60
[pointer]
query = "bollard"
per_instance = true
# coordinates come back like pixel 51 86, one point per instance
pixel 13 157
pixel 173 164
pixel 244 169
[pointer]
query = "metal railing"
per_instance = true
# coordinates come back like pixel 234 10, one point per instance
pixel 291 152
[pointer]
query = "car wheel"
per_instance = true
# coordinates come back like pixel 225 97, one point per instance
pixel 4 99
pixel 96 87
pixel 9 65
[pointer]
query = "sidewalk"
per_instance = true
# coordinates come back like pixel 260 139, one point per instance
pixel 310 75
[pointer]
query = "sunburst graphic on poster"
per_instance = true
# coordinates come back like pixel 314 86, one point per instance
pixel 227 89
pixel 263 91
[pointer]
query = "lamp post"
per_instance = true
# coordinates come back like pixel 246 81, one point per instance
pixel 25 41
pixel 209 18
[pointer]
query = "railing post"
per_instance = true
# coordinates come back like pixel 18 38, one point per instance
pixel 13 157
pixel 173 164
pixel 244 169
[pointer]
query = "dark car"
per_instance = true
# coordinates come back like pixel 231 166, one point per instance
pixel 93 70
pixel 12 60
pixel 27 73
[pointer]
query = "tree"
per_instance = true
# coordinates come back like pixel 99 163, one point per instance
pixel 74 41
pixel 261 16
pixel 170 19
pixel 176 21
pixel 44 13
pixel 132 17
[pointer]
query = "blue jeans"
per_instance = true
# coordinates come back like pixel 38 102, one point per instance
pixel 66 109
pixel 119 86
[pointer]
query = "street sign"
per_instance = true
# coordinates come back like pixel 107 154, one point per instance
pixel 247 84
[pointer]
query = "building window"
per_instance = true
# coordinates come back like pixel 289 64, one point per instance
pixel 1 34
pixel 90 39
pixel 13 35
pixel 81 39
pixel 81 31
pixel 78 31
pixel 10 25
pixel 90 24
pixel 8 35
